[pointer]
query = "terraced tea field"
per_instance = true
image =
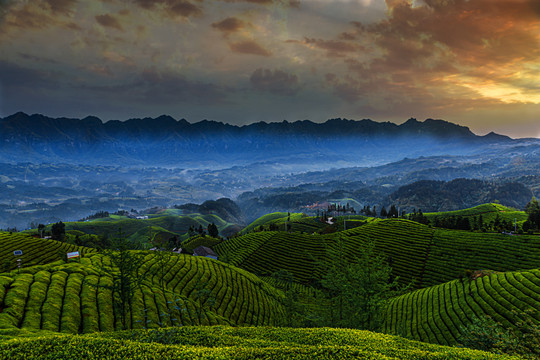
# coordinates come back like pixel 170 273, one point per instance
pixel 35 251
pixel 438 314
pixel 77 297
pixel 138 230
pixel 488 212
pixel 415 252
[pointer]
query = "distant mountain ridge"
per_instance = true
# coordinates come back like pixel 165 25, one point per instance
pixel 166 141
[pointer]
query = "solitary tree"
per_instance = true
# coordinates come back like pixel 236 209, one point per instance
pixel 356 286
pixel 58 231
pixel 41 227
pixel 125 263
pixel 213 230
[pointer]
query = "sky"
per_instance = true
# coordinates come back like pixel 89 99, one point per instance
pixel 471 62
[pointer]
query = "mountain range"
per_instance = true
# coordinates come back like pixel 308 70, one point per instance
pixel 165 141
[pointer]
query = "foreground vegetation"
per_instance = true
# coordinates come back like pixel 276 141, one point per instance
pixel 220 342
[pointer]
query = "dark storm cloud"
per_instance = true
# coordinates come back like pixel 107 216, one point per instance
pixel 439 54
pixel 229 25
pixel 35 14
pixel 288 3
pixel 60 6
pixel 249 47
pixel 153 87
pixel 22 87
pixel 334 47
pixel 475 31
pixel 276 82
pixel 38 59
pixel 108 20
pixel 15 76
pixel 182 8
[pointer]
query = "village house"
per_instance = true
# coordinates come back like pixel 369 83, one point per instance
pixel 205 251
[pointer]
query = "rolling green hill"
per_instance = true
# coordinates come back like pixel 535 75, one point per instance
pixel 302 223
pixel 165 225
pixel 272 218
pixel 429 256
pixel 52 304
pixel 488 212
pixel 77 298
pixel 439 314
pixel 242 343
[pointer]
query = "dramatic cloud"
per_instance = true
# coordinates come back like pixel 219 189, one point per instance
pixel 229 25
pixel 182 8
pixel 334 47
pixel 249 47
pixel 277 81
pixel 109 21
pixel 60 6
pixel 475 62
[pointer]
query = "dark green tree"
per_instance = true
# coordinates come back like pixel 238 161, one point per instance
pixel 41 227
pixel 356 287
pixel 125 263
pixel 58 231
pixel 213 230
pixel 533 211
pixel 285 276
pixel 393 212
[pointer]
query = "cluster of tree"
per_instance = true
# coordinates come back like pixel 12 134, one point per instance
pixel 322 215
pixel 418 217
pixel 340 209
pixel 498 225
pixel 533 219
pixel 211 229
pixel 99 242
pixel 273 227
pixel 393 212
pixel 455 222
pixel 350 294
pixel 366 210
pixel 58 231
pixel 98 215
pixel 486 334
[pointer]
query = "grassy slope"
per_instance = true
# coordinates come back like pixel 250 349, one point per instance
pixel 35 251
pixel 298 222
pixel 220 342
pixel 437 314
pixel 64 297
pixel 430 256
pixel 488 211
pixel 167 223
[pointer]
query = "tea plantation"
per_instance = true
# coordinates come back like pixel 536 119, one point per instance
pixel 77 297
pixel 54 308
pixel 242 343
pixel 439 314
pixel 416 252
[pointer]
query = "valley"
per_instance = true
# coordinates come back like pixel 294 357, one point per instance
pixel 330 248
pixel 449 279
